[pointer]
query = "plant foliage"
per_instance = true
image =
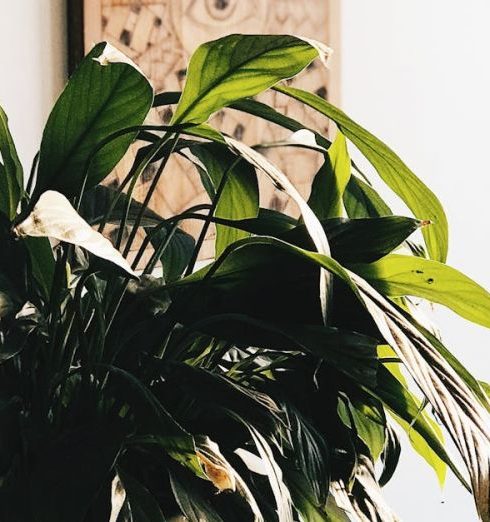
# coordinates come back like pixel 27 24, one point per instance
pixel 271 383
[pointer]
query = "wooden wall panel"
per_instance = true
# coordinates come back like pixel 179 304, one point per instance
pixel 160 35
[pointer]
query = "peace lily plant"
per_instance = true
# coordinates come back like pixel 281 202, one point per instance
pixel 285 375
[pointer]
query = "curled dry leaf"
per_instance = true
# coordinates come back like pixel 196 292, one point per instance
pixel 220 475
pixel 53 216
pixel 223 475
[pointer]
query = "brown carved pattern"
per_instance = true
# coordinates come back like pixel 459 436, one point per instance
pixel 160 35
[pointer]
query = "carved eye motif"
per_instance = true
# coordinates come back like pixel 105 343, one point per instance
pixel 224 12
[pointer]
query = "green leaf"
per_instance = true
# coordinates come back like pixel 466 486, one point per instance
pixel 144 507
pixel 238 66
pixel 423 432
pixel 362 201
pixel 11 173
pixel 106 94
pixel 370 424
pixel 96 203
pixel 331 180
pixel 42 262
pixel 354 240
pixel 397 275
pixel 352 353
pixel 179 246
pixel 390 456
pixel 240 196
pixel 419 199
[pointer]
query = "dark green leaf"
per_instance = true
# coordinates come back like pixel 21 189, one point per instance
pixel 104 95
pixel 191 501
pixel 329 184
pixel 179 246
pixel 42 261
pixel 11 173
pixel 390 456
pixel 239 198
pixel 421 201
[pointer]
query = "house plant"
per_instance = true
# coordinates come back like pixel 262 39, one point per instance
pixel 276 374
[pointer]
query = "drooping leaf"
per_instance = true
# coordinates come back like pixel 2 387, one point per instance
pixel 239 198
pixel 422 431
pixel 453 401
pixel 106 94
pixel 238 66
pixel 11 173
pixel 398 275
pixel 331 180
pixel 53 216
pixel 420 199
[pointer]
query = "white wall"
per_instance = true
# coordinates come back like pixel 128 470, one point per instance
pixel 416 73
pixel 32 65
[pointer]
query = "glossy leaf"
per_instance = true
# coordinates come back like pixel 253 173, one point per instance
pixel 239 198
pixel 398 275
pixel 331 180
pixel 362 201
pixel 420 199
pixel 238 66
pixel 11 173
pixel 107 93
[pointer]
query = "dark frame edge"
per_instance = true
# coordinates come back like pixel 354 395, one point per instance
pixel 75 27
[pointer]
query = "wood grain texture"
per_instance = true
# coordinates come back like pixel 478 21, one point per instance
pixel 160 35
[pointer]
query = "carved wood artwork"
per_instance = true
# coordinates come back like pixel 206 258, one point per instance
pixel 160 35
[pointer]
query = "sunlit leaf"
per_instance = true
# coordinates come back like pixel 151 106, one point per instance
pixel 398 275
pixel 238 66
pixel 420 199
pixel 331 180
